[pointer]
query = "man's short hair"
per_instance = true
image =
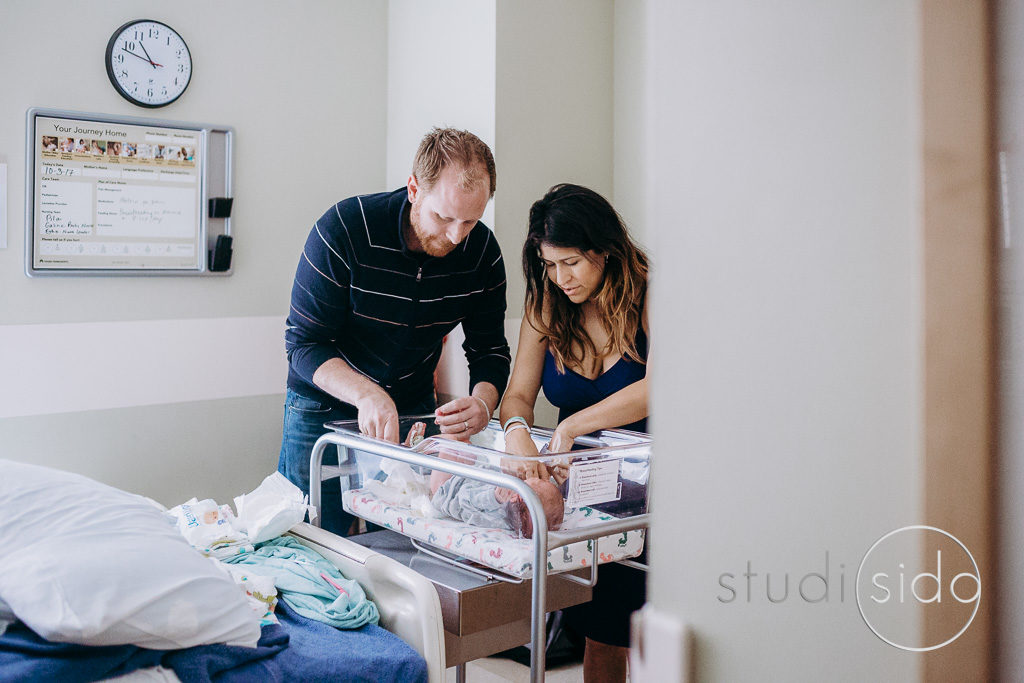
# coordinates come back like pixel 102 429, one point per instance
pixel 443 147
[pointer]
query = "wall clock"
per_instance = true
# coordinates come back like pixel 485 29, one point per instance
pixel 148 63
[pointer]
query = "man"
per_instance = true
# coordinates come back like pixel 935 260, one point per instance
pixel 382 279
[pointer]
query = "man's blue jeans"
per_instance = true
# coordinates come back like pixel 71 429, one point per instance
pixel 304 420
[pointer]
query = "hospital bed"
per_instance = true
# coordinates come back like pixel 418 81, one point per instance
pixel 488 606
pixel 89 566
pixel 408 603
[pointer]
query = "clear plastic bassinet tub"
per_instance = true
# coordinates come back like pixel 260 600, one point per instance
pixel 469 499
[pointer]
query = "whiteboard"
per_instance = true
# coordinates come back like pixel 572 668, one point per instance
pixel 118 195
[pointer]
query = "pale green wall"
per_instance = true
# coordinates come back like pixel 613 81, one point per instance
pixel 302 83
pixel 170 452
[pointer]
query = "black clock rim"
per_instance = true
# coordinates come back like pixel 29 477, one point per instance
pixel 110 69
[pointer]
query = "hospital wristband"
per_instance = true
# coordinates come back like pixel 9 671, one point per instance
pixel 514 427
pixel 512 420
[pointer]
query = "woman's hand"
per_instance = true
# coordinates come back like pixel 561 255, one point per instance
pixel 518 442
pixel 561 442
pixel 563 439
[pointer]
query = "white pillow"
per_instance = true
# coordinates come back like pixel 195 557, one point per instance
pixel 6 617
pixel 82 562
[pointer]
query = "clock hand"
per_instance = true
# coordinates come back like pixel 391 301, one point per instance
pixel 133 54
pixel 155 65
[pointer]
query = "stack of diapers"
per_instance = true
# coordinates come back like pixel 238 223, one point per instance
pixel 274 507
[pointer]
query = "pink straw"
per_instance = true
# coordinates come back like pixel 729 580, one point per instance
pixel 331 581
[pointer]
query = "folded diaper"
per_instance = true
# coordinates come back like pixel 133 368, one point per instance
pixel 210 529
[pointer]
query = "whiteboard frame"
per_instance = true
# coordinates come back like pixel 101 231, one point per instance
pixel 205 130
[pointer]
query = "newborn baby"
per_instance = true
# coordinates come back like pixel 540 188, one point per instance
pixel 486 505
pixel 492 506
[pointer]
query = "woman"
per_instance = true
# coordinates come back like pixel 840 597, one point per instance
pixel 584 339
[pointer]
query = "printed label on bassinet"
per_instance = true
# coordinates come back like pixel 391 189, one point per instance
pixel 591 483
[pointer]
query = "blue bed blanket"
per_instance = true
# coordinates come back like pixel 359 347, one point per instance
pixel 296 649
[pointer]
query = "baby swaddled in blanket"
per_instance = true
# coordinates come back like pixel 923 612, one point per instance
pixel 486 505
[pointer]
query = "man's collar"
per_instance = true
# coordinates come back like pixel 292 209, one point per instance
pixel 399 208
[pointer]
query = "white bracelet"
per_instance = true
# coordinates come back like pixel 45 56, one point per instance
pixel 513 427
pixel 484 404
pixel 513 420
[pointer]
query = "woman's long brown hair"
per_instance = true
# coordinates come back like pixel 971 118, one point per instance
pixel 574 217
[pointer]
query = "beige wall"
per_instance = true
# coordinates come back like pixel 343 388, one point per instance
pixel 1010 471
pixel 788 320
pixel 309 116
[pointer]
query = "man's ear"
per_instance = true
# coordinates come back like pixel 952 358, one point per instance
pixel 413 187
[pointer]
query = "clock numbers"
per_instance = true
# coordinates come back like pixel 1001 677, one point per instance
pixel 153 55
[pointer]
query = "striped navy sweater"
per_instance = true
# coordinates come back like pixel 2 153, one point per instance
pixel 361 295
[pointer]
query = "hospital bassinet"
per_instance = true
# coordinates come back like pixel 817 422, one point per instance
pixel 605 492
pixel 606 480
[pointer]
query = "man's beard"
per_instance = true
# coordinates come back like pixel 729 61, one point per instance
pixel 433 245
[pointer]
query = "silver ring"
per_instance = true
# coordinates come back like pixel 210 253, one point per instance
pixel 466 423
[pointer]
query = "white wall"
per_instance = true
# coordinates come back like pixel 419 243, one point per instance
pixel 192 406
pixel 533 80
pixel 440 73
pixel 787 316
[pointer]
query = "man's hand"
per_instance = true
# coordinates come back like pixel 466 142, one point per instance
pixel 378 416
pixel 463 417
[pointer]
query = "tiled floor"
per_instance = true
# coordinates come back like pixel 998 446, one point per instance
pixel 500 670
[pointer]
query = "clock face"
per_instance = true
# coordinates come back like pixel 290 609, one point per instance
pixel 148 63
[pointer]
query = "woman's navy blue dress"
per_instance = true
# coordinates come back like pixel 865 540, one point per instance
pixel 620 590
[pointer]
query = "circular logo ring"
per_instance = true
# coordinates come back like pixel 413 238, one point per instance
pixel 924 528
